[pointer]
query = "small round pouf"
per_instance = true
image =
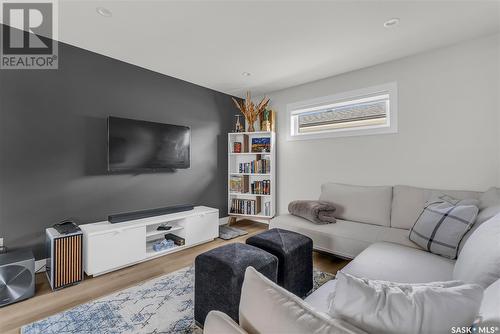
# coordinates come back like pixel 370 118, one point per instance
pixel 219 275
pixel 294 253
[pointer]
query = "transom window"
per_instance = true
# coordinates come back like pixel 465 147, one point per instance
pixel 367 111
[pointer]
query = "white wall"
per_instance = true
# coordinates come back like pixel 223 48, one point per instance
pixel 449 118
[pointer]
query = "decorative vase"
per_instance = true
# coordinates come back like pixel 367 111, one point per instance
pixel 250 127
pixel 251 111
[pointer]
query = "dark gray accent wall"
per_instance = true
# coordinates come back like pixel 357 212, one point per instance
pixel 53 144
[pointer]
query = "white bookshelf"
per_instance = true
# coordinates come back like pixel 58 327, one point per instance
pixel 261 200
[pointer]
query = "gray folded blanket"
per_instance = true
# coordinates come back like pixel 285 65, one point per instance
pixel 319 212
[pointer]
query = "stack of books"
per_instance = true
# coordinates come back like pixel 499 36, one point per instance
pixel 261 187
pixel 238 184
pixel 178 241
pixel 256 166
pixel 245 206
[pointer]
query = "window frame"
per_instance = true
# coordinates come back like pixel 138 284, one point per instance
pixel 296 108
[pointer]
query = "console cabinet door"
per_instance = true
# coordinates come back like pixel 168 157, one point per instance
pixel 202 228
pixel 114 249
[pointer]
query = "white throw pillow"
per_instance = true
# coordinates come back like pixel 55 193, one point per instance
pixel 386 307
pixel 479 260
pixel 268 308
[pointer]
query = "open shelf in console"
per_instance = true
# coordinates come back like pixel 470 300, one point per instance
pixel 176 226
pixel 150 252
pixel 155 233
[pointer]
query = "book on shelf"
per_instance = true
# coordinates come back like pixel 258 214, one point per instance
pixel 261 166
pixel 261 187
pixel 238 184
pixel 178 241
pixel 261 144
pixel 237 147
pixel 245 206
pixel 241 146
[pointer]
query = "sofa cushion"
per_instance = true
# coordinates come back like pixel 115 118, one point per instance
pixel 344 238
pixel 490 306
pixel 220 323
pixel 479 260
pixel 484 215
pixel 322 297
pixel 442 225
pixel 489 311
pixel 489 207
pixel 268 308
pixel 396 263
pixel 408 202
pixel 382 307
pixel 371 205
pixel 489 198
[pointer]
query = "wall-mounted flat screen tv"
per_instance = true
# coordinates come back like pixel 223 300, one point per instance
pixel 141 145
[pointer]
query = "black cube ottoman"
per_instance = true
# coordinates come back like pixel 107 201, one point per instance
pixel 294 253
pixel 219 275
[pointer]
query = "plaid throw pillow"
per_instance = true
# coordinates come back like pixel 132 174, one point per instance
pixel 442 225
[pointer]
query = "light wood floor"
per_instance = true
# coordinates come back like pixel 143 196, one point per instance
pixel 46 303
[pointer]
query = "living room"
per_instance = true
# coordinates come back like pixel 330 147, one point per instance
pixel 250 167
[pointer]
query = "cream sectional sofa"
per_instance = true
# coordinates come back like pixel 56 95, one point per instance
pixel 381 251
pixel 370 214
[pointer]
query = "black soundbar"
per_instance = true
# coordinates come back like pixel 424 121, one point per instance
pixel 123 217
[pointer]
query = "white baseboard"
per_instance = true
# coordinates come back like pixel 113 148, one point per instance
pixel 39 264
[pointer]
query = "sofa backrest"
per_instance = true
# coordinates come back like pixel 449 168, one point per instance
pixel 364 204
pixel 479 260
pixel 408 203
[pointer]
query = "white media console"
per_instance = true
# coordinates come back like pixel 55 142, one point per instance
pixel 107 247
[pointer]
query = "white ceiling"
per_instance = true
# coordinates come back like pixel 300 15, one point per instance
pixel 281 43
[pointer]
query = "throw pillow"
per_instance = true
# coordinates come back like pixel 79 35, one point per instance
pixel 479 260
pixel 443 223
pixel 386 307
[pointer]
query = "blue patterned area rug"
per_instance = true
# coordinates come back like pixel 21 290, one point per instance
pixel 161 305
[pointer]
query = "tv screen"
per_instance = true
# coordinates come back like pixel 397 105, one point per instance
pixel 141 145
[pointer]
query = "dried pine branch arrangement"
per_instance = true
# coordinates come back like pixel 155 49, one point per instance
pixel 250 111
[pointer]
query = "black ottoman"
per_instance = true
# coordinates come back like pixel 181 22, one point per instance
pixel 219 275
pixel 294 253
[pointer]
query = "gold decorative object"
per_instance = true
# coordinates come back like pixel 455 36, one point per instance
pixel 266 120
pixel 250 111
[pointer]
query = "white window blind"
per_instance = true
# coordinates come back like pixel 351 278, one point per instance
pixel 368 111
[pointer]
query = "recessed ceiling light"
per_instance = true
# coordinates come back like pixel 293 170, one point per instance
pixel 104 12
pixel 391 22
pixel 246 74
